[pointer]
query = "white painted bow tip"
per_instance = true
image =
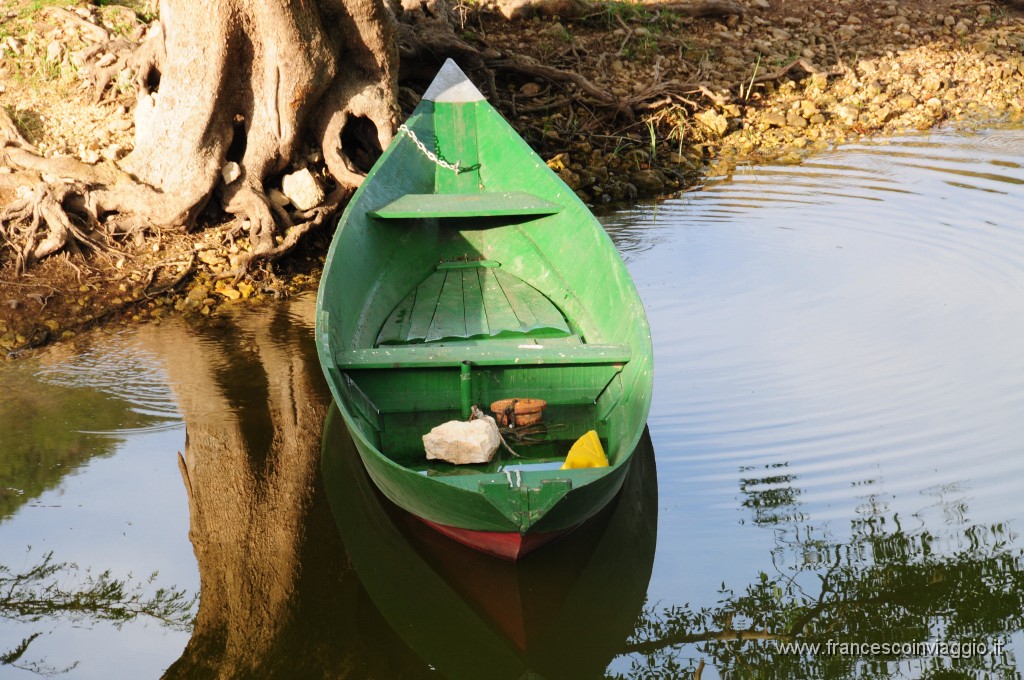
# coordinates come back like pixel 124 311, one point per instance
pixel 451 85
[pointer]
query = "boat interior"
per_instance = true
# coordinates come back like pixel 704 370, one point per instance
pixel 471 332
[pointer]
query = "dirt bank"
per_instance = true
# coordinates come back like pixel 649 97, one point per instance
pixel 654 96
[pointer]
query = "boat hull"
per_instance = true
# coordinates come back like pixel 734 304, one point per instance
pixel 446 288
pixel 500 516
pixel 509 545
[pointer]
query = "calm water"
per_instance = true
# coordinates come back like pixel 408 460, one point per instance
pixel 837 425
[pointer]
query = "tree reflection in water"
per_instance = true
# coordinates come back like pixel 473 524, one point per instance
pixel 278 597
pixel 43 593
pixel 892 581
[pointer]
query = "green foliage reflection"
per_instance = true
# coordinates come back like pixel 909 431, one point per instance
pixel 891 582
pixel 45 432
pixel 52 590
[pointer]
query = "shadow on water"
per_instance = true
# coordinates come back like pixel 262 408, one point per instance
pixel 563 612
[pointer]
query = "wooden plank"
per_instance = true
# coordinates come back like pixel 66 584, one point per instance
pixel 500 316
pixel 426 304
pixel 396 328
pixel 548 315
pixel 515 292
pixel 427 356
pixel 535 311
pixel 473 301
pixel 450 316
pixel 467 264
pixel 500 204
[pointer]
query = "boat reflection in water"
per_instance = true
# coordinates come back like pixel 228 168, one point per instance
pixel 564 612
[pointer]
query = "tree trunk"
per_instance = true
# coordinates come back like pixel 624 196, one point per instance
pixel 224 105
pixel 244 84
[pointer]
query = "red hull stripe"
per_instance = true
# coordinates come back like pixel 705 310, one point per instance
pixel 509 545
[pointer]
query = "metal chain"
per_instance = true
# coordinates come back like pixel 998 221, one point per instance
pixel 427 152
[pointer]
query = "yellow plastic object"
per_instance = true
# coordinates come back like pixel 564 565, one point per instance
pixel 587 452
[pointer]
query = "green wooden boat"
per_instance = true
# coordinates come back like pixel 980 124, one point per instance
pixel 462 272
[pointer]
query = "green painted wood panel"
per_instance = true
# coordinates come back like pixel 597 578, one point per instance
pixel 467 264
pixel 516 292
pixel 548 315
pixel 500 315
pixel 396 328
pixel 467 299
pixel 460 147
pixel 450 315
pixel 435 388
pixel 535 312
pixel 412 356
pixel 426 304
pixel 490 204
pixel 473 301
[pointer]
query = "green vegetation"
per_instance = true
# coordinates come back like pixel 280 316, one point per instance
pixel 26 9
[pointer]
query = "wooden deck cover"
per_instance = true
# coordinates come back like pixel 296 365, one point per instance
pixel 472 300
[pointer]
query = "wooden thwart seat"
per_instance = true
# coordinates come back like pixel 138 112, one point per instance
pixel 431 356
pixel 503 204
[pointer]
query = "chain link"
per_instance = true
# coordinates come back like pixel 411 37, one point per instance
pixel 427 152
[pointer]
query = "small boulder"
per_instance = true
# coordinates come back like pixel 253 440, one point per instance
pixel 530 89
pixel 302 189
pixel 795 120
pixel 714 122
pixel 278 198
pixel 647 182
pixel 230 172
pixel 461 442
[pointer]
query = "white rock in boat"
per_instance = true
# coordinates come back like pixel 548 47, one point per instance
pixel 302 189
pixel 461 442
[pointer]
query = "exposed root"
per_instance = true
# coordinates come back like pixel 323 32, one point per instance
pixel 90 32
pixel 526 66
pixel 40 224
pixel 150 290
pixel 10 135
pixel 330 143
pixel 248 201
pixel 304 222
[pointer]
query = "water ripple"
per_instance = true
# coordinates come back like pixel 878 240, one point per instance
pixel 856 319
pixel 121 368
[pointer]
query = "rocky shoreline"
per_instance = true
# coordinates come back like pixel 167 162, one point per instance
pixel 806 76
pixel 779 82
